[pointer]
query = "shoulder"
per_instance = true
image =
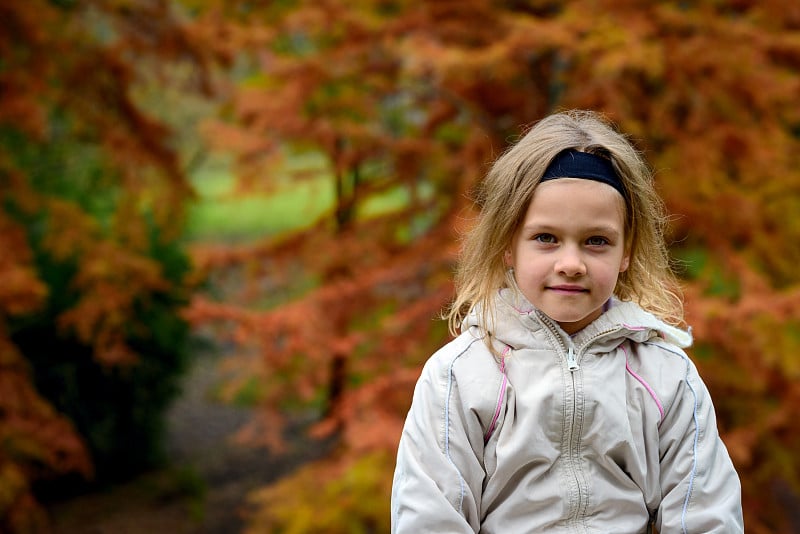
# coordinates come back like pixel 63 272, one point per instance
pixel 661 353
pixel 464 367
pixel 463 354
pixel 669 369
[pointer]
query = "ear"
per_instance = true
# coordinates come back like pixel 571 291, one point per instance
pixel 508 258
pixel 625 263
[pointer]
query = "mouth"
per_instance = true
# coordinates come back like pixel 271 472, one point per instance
pixel 568 289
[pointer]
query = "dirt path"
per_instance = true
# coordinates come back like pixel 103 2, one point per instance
pixel 204 490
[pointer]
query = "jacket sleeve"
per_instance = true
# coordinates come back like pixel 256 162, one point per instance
pixel 438 477
pixel 701 492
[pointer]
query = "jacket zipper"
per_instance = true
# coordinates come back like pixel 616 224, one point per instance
pixel 572 362
pixel 572 441
pixel 572 438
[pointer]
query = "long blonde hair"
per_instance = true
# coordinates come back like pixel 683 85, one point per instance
pixel 503 197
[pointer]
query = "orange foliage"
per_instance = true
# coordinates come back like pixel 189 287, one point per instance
pixel 67 78
pixel 416 97
pixel 36 440
pixel 428 93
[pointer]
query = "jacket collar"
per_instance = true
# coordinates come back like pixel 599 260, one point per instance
pixel 518 324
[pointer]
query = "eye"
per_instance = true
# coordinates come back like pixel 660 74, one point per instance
pixel 597 241
pixel 545 238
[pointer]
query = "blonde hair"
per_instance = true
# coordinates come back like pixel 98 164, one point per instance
pixel 503 197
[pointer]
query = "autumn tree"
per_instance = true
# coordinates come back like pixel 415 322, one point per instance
pixel 418 97
pixel 92 190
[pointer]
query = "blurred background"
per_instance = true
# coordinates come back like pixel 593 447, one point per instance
pixel 228 227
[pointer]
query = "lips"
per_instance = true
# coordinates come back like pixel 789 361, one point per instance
pixel 568 289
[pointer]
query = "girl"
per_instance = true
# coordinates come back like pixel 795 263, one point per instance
pixel 566 403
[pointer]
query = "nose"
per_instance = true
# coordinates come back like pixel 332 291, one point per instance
pixel 570 262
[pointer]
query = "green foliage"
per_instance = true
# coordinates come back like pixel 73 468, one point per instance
pixel 118 409
pixel 699 266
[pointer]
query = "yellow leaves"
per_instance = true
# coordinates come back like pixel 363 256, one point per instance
pixel 327 496
pixel 609 44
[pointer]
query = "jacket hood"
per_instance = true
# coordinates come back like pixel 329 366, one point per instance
pixel 516 322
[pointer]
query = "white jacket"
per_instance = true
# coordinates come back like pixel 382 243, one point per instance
pixel 607 431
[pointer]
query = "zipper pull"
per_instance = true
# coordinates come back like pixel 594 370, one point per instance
pixel 572 363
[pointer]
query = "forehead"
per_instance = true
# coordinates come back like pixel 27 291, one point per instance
pixel 570 201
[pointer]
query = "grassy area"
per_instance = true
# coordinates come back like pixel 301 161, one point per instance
pixel 221 214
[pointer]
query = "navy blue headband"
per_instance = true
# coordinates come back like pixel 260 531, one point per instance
pixel 571 163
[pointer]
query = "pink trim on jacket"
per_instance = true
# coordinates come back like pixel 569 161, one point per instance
pixel 643 382
pixel 500 396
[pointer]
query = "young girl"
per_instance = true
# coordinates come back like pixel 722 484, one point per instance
pixel 566 403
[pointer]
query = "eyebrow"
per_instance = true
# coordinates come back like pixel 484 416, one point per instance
pixel 603 230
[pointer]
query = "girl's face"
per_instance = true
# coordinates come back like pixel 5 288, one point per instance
pixel 569 249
